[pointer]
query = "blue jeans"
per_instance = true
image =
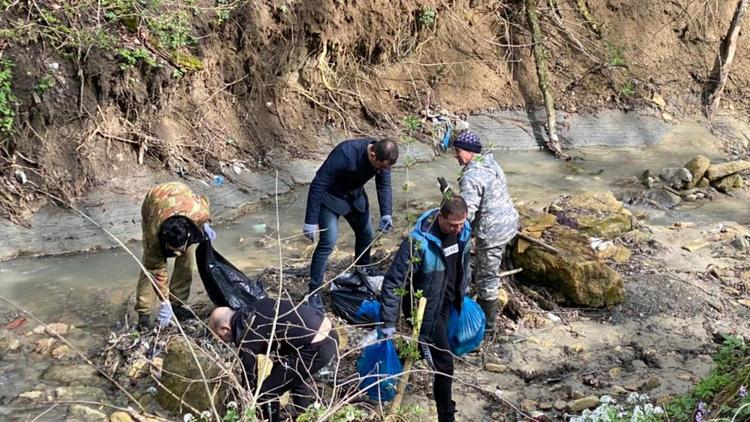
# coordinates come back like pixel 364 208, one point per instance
pixel 328 222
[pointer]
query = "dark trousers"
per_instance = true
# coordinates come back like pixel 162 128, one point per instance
pixel 440 359
pixel 328 222
pixel 295 374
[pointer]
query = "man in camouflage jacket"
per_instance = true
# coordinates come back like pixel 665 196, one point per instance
pixel 493 218
pixel 163 206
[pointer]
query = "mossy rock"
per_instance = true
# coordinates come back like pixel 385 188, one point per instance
pixel 729 183
pixel 181 376
pixel 576 271
pixel 186 61
pixel 697 167
pixel 597 214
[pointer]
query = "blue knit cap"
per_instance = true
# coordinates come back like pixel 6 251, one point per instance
pixel 468 141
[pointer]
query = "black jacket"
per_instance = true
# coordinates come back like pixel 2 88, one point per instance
pixel 421 259
pixel 339 183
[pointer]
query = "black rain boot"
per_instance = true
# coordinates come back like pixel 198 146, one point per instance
pixel 271 411
pixel 489 307
pixel 447 414
pixel 144 323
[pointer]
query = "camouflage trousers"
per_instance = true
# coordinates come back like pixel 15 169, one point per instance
pixel 178 286
pixel 487 268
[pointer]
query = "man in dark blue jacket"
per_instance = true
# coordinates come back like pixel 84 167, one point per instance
pixel 433 259
pixel 338 190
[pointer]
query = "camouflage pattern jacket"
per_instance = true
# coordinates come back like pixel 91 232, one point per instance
pixel 161 202
pixel 483 185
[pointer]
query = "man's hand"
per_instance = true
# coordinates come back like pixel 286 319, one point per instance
pixel 386 223
pixel 209 232
pixel 309 231
pixel 387 332
pixel 165 314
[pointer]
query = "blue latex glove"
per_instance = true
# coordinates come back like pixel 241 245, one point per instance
pixel 386 223
pixel 309 230
pixel 210 233
pixel 165 314
pixel 387 332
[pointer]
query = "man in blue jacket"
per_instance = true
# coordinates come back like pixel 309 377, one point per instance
pixel 338 190
pixel 433 259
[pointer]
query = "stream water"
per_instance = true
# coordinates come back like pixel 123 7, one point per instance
pixel 89 289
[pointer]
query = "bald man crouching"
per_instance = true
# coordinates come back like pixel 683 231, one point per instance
pixel 302 340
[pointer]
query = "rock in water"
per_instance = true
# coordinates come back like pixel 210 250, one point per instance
pixel 676 177
pixel 729 183
pixel 697 168
pixel 718 171
pixel 181 376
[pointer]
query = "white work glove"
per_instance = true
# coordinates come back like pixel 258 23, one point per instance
pixel 210 233
pixel 309 230
pixel 386 223
pixel 387 332
pixel 165 314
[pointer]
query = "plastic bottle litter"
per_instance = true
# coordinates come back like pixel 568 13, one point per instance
pixel 218 180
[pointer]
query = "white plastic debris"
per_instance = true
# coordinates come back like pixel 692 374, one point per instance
pixel 369 339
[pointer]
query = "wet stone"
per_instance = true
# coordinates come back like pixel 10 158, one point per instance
pixel 80 393
pixel 120 417
pixel 528 405
pixel 697 167
pixel 72 374
pixel 560 405
pixel 651 383
pixel 78 412
pixel 583 403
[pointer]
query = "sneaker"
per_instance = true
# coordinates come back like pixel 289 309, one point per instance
pixel 144 323
pixel 182 313
pixel 315 301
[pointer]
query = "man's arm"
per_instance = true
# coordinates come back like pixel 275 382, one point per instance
pixel 395 279
pixel 472 191
pixel 385 198
pixel 325 177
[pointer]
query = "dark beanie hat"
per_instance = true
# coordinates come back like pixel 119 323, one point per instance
pixel 468 141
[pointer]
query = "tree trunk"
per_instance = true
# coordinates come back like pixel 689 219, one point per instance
pixel 553 143
pixel 724 60
pixel 588 17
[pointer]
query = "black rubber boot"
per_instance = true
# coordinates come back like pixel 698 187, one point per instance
pixel 447 413
pixel 271 411
pixel 182 313
pixel 489 307
pixel 144 323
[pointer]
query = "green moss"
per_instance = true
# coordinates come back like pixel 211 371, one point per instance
pixel 186 61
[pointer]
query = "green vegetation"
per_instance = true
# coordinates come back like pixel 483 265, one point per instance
pixel 7 99
pixel 616 55
pixel 427 16
pixel 131 57
pixel 628 88
pixel 164 28
pixel 721 394
pixel 346 414
pixel 45 83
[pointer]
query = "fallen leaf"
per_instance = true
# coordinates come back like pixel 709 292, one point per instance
pixel 15 323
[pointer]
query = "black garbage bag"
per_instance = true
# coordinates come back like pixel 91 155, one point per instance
pixel 224 283
pixel 348 292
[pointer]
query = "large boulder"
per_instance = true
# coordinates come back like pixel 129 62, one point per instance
pixel 718 171
pixel 597 214
pixel 182 385
pixel 697 168
pixel 574 269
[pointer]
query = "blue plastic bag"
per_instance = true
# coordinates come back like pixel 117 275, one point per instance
pixel 369 310
pixel 466 331
pixel 377 367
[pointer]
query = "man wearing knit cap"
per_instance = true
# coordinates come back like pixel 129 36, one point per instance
pixel 493 218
